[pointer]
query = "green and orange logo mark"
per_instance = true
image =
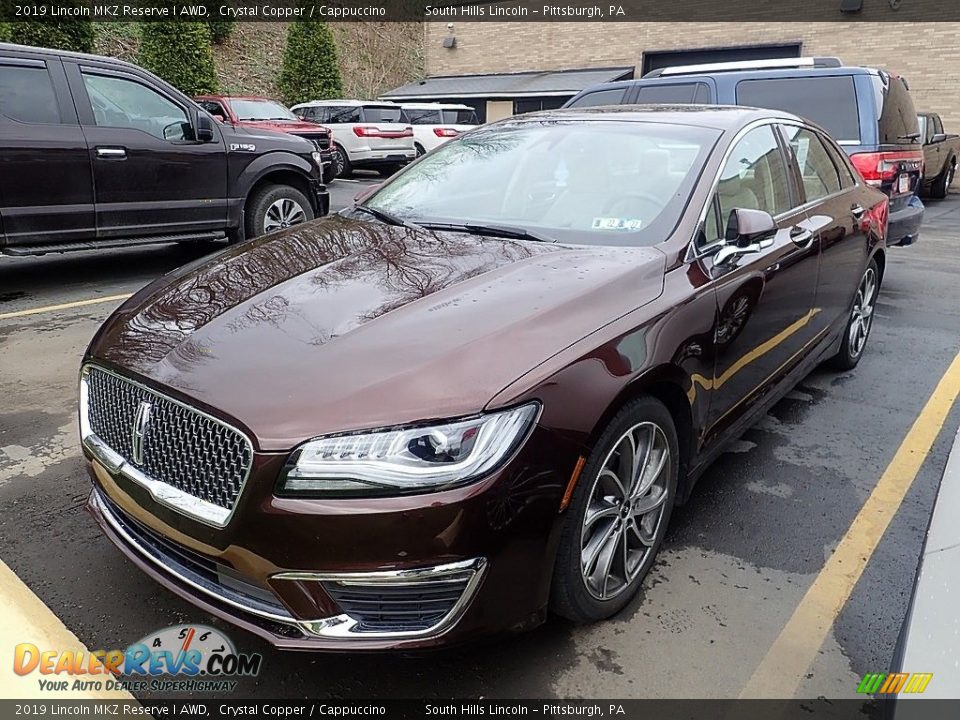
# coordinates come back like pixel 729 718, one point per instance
pixel 894 683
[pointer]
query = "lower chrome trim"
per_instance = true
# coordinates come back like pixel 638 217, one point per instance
pixel 341 627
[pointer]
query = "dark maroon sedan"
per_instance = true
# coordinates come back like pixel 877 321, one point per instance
pixel 476 396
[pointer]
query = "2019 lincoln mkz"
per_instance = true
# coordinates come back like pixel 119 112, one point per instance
pixel 475 396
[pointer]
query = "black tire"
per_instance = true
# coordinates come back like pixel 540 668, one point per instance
pixel 386 171
pixel 941 185
pixel 261 201
pixel 341 162
pixel 849 355
pixel 570 596
pixel 419 149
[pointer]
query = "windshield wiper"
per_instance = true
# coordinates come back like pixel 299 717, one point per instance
pixel 387 217
pixel 514 232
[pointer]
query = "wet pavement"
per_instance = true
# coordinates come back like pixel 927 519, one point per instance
pixel 738 557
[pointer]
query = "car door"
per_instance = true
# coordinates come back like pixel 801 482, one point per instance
pixel 150 176
pixel 765 299
pixel 46 186
pixel 834 211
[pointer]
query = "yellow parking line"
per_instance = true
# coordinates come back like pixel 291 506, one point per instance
pixel 63 306
pixel 787 661
pixel 27 620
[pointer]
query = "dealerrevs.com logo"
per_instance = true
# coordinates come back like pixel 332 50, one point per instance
pixel 182 658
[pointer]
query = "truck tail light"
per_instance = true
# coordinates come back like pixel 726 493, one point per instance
pixel 445 132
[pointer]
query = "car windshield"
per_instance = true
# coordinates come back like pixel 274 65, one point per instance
pixel 595 182
pixel 261 110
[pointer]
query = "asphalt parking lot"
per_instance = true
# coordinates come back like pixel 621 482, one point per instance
pixel 738 561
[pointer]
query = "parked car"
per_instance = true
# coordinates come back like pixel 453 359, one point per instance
pixel 940 153
pixel 868 111
pixel 435 123
pixel 261 113
pixel 373 135
pixel 478 394
pixel 100 153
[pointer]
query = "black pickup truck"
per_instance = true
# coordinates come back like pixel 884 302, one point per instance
pixel 940 153
pixel 95 152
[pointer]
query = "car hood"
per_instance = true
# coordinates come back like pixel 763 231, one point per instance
pixel 342 324
pixel 287 126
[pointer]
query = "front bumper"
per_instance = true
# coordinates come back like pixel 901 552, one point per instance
pixel 304 574
pixel 321 197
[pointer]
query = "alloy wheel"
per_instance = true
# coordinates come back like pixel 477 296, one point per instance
pixel 862 313
pixel 282 214
pixel 624 511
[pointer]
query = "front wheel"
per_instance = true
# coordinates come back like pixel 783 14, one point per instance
pixel 276 207
pixel 860 321
pixel 619 513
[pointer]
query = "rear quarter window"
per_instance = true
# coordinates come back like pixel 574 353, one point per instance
pixel 830 101
pixel 897 117
pixel 613 96
pixel 676 94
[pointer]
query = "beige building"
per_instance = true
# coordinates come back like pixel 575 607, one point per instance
pixel 927 54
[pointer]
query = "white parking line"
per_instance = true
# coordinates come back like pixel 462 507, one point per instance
pixel 63 306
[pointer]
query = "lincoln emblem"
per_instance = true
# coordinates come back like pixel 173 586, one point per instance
pixel 140 421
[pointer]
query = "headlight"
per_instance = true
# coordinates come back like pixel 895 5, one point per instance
pixel 408 460
pixel 317 158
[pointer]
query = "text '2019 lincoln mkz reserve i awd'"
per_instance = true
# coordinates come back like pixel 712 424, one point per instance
pixel 475 396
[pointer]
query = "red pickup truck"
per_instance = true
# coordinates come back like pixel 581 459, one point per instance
pixel 265 114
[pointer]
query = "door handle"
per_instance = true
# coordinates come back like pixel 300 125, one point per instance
pixel 857 211
pixel 800 236
pixel 116 153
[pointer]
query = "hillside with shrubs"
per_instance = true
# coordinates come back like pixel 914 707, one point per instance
pixel 288 61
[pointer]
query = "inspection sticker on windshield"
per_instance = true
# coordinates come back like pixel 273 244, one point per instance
pixel 615 223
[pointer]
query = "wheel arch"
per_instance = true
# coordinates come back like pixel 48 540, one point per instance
pixel 671 386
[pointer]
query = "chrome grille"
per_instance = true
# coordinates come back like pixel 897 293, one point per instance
pixel 180 447
pixel 320 142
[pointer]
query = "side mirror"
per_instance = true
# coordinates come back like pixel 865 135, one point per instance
pixel 748 231
pixel 365 193
pixel 204 128
pixel 939 137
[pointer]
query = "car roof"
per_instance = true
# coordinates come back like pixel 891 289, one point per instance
pixel 235 97
pixel 719 117
pixel 435 106
pixel 363 103
pixel 801 72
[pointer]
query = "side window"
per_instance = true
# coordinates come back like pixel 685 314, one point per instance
pixel 344 114
pixel 819 174
pixel 847 178
pixel 26 94
pixel 753 178
pixel 122 103
pixel 613 96
pixel 214 108
pixel 937 125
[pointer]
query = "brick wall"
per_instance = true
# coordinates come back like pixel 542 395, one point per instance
pixel 927 54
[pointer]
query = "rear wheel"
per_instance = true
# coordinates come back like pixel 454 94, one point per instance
pixel 618 517
pixel 941 186
pixel 860 322
pixel 276 207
